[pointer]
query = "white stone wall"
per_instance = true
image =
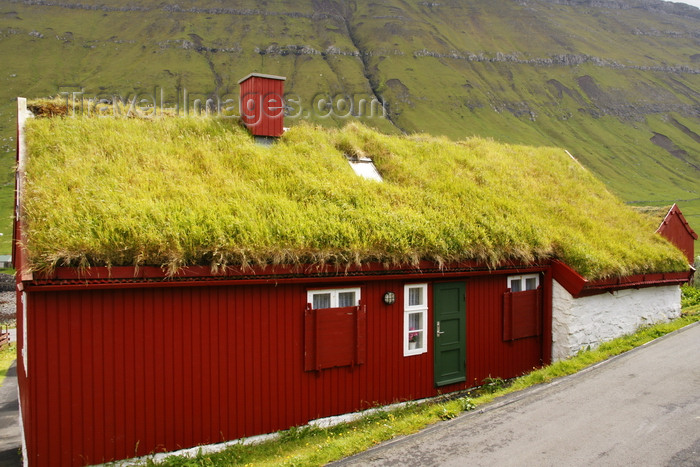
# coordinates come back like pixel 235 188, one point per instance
pixel 588 321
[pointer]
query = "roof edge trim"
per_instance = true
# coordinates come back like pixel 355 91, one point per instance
pixel 64 278
pixel 578 286
pixel 675 210
pixel 261 75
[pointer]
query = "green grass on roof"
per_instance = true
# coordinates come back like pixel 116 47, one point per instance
pixel 183 191
pixel 658 213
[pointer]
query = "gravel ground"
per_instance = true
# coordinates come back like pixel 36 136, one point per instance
pixel 7 300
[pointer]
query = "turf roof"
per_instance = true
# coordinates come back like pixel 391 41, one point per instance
pixel 198 191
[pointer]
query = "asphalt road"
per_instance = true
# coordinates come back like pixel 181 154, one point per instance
pixel 9 421
pixel 640 408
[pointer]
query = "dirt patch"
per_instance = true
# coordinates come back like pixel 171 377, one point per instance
pixel 48 109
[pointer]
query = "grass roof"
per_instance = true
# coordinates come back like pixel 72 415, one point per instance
pixel 658 213
pixel 198 191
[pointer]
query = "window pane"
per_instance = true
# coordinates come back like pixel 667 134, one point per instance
pixel 415 323
pixel 322 300
pixel 419 340
pixel 531 283
pixel 346 299
pixel 415 296
pixel 515 285
pixel 416 331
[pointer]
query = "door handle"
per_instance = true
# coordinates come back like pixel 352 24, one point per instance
pixel 439 333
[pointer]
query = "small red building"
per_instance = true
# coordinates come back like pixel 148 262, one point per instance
pixel 262 104
pixel 676 229
pixel 122 361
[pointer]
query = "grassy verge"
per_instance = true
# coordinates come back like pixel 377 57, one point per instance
pixel 311 446
pixel 7 356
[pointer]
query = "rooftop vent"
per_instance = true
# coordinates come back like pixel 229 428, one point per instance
pixel 262 104
pixel 364 167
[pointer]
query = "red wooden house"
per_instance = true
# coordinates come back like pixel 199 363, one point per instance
pixel 122 361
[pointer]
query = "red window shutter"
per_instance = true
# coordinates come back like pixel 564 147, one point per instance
pixel 334 337
pixel 522 314
pixel 361 333
pixel 309 338
pixel 508 316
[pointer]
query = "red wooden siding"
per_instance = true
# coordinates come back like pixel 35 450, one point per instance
pixel 262 104
pixel 125 372
pixel 487 353
pixel 677 230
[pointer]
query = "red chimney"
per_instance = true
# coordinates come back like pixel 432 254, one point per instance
pixel 262 104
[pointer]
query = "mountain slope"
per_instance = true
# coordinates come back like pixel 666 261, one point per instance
pixel 616 82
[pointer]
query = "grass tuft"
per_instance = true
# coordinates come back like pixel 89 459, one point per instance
pixel 8 354
pixel 690 296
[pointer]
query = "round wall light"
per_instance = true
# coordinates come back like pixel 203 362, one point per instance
pixel 389 298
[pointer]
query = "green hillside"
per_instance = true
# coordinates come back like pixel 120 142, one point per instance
pixel 617 85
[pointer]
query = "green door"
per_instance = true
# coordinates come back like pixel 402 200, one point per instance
pixel 449 312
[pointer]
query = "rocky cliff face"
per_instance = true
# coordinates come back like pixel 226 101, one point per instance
pixel 616 82
pixel 653 6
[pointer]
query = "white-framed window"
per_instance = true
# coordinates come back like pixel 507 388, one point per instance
pixel 524 282
pixel 334 298
pixel 415 336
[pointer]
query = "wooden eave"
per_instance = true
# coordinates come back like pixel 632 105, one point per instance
pixel 65 278
pixel 578 286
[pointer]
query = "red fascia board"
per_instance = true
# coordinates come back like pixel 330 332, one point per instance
pixel 572 281
pixel 261 75
pixel 578 286
pixel 129 277
pixel 648 280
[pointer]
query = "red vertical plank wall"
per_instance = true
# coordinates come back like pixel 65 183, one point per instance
pixel 487 353
pixel 126 372
pixel 250 111
pixel 263 116
pixel 133 371
pixel 675 229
